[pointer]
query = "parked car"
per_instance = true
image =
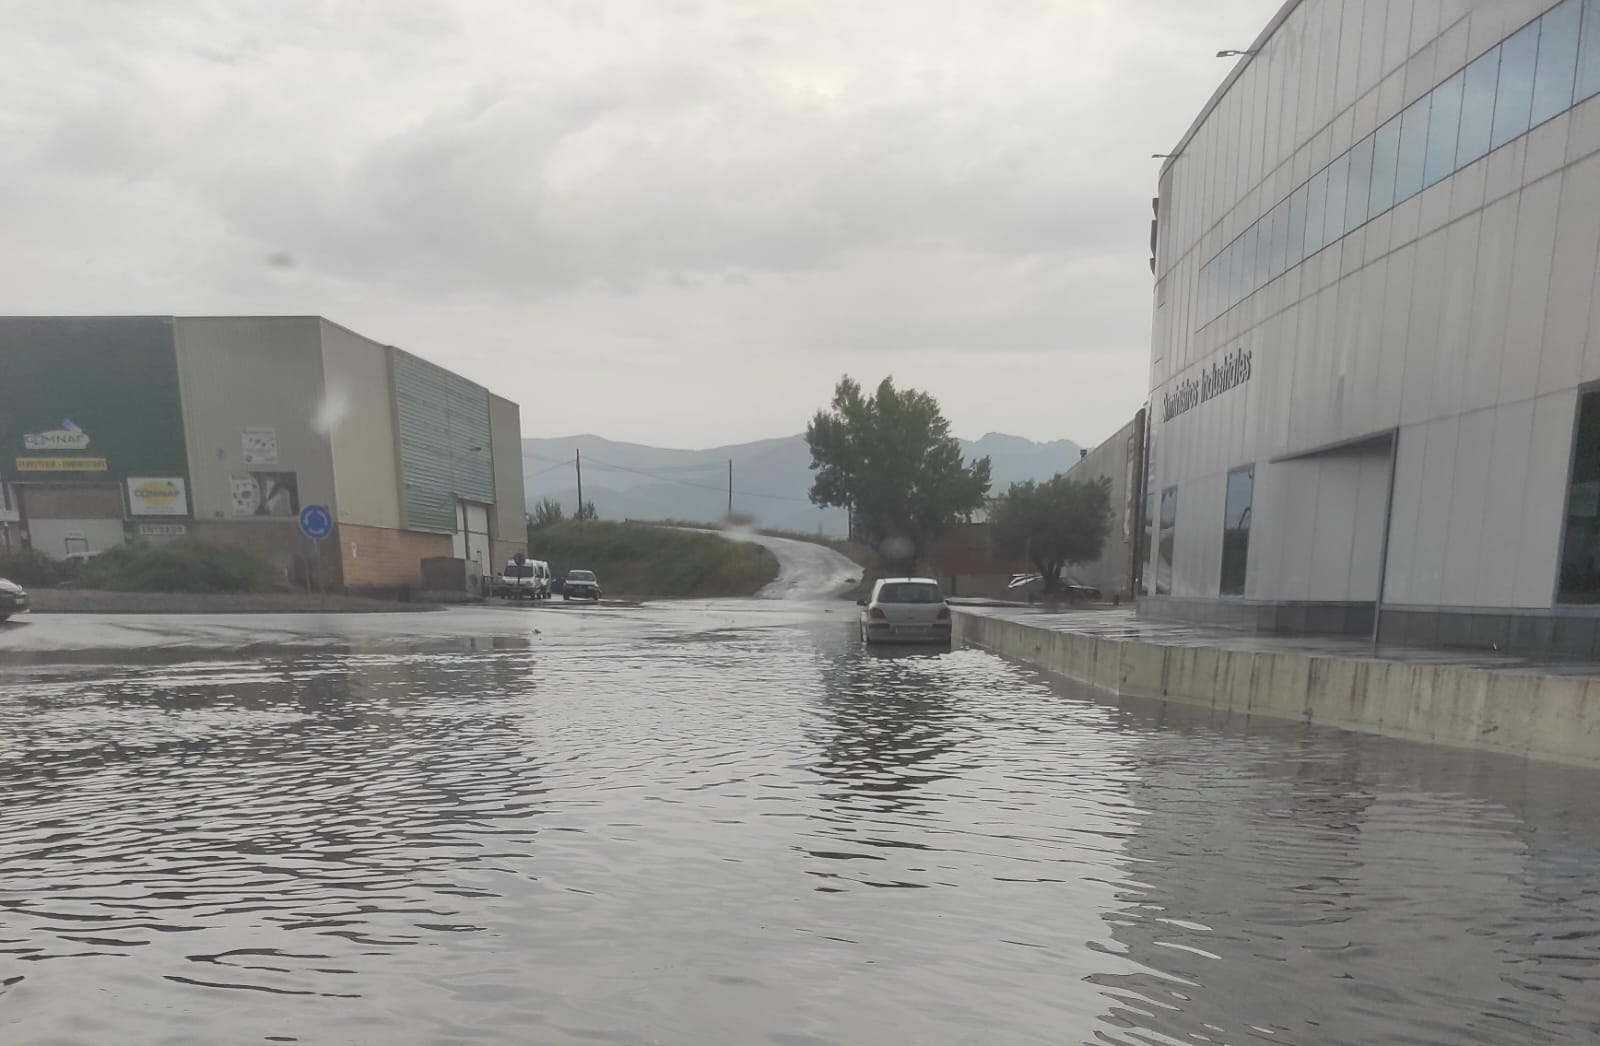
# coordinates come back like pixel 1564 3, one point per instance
pixel 523 578
pixel 905 610
pixel 581 584
pixel 13 600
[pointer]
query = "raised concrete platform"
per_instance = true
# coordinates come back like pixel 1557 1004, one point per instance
pixel 1543 709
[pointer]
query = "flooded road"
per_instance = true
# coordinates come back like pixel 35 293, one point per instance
pixel 726 823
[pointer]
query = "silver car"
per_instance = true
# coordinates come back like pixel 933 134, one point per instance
pixel 13 600
pixel 905 610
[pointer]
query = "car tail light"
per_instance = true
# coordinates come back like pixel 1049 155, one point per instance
pixel 877 614
pixel 944 613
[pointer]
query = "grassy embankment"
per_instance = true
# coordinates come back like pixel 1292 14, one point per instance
pixel 653 562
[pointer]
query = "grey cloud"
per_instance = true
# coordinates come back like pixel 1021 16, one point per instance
pixel 650 178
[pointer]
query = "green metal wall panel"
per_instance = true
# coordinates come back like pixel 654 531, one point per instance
pixel 89 400
pixel 442 421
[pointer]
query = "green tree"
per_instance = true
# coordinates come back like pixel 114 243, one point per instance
pixel 547 513
pixel 586 511
pixel 890 459
pixel 1054 523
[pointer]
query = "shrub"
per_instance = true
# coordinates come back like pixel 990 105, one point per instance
pixel 33 568
pixel 640 559
pixel 181 566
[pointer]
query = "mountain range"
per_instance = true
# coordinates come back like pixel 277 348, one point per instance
pixel 771 477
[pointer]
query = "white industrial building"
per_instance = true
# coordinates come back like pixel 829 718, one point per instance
pixel 1375 351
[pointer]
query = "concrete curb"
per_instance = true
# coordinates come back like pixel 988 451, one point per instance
pixel 1526 713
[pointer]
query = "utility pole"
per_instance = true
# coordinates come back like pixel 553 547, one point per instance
pixel 730 488
pixel 578 460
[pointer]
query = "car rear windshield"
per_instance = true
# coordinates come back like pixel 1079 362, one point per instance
pixel 910 592
pixel 580 575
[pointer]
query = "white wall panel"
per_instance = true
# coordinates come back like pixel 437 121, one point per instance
pixel 1433 512
pixel 1571 277
pixel 1334 524
pixel 1422 339
pixel 1454 359
pixel 1469 491
pixel 1496 255
pixel 1495 585
pixel 1530 289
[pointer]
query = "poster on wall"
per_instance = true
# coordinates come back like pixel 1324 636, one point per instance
pixel 157 496
pixel 274 494
pixel 260 446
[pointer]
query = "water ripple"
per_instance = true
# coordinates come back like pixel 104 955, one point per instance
pixel 755 831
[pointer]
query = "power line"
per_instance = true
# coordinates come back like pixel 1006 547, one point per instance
pixel 720 489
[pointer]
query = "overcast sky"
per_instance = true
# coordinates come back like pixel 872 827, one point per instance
pixel 675 222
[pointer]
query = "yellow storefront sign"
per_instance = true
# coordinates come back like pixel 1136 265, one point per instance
pixel 61 464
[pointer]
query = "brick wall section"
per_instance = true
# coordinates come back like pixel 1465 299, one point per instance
pixel 380 558
pixel 279 543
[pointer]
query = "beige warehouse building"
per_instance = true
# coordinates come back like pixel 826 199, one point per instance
pixel 122 429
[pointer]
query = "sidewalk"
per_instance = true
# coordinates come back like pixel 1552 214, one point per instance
pixel 1538 708
pixel 1122 623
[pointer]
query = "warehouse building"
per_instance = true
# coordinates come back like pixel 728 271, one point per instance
pixel 1375 357
pixel 122 429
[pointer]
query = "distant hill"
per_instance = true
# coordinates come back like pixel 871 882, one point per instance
pixel 770 477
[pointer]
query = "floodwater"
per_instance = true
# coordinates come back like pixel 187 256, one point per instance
pixel 729 824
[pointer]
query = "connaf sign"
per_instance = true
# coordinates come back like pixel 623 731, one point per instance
pixel 1234 370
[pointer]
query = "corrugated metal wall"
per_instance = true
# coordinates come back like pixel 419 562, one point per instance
pixel 440 417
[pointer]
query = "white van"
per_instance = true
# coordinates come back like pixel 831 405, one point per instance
pixel 523 578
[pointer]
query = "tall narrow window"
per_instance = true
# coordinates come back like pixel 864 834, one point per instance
pixel 1413 150
pixel 1297 227
pixel 1278 220
pixel 1580 547
pixel 1385 154
pixel 1338 186
pixel 1144 543
pixel 1558 61
pixel 1166 540
pixel 1316 212
pixel 1236 529
pixel 1513 98
pixel 1477 108
pixel 1444 125
pixel 1589 52
pixel 1359 187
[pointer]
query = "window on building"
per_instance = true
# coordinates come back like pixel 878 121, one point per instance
pixel 1558 61
pixel 1513 98
pixel 1589 52
pixel 1263 253
pixel 1359 187
pixel 1385 154
pixel 1413 154
pixel 1166 540
pixel 1444 124
pixel 1338 185
pixel 1297 227
pixel 1236 529
pixel 1580 546
pixel 1316 212
pixel 1477 108
pixel 1278 221
pixel 1144 543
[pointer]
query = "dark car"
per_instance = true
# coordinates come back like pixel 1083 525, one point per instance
pixel 13 600
pixel 580 584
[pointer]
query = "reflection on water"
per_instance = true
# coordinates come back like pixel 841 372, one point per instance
pixel 756 833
